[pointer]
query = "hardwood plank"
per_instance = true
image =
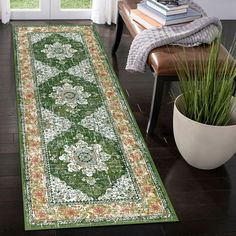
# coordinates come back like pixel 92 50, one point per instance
pixel 137 230
pixel 6 138
pixel 200 228
pixel 10 164
pixel 10 182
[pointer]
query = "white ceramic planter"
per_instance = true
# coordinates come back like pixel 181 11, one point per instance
pixel 204 146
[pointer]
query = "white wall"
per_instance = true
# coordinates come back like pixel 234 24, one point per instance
pixel 224 9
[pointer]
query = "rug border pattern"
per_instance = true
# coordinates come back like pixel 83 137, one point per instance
pixel 150 164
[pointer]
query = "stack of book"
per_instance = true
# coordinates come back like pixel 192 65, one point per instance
pixel 158 13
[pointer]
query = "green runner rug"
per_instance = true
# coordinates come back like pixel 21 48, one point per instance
pixel 83 159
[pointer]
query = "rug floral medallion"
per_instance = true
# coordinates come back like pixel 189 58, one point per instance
pixel 83 159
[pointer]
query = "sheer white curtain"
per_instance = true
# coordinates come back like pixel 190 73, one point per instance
pixel 104 11
pixel 5 11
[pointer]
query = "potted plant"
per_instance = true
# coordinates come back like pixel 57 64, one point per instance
pixel 204 120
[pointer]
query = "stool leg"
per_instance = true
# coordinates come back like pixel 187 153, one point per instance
pixel 234 92
pixel 156 103
pixel 119 31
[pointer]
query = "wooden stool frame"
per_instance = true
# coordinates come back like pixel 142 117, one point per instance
pixel 158 86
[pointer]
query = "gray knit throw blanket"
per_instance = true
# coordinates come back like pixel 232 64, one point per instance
pixel 199 31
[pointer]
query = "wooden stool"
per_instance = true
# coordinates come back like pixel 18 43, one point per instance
pixel 160 60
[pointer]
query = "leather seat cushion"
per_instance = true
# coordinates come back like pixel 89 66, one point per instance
pixel 163 59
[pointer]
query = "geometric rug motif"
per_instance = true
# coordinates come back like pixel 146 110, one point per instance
pixel 83 159
pixel 44 72
pixel 83 70
pixel 99 122
pixel 53 125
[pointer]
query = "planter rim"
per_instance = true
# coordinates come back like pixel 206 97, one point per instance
pixel 202 124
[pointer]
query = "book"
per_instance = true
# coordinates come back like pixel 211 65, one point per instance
pixel 170 5
pixel 164 11
pixel 190 15
pixel 144 20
